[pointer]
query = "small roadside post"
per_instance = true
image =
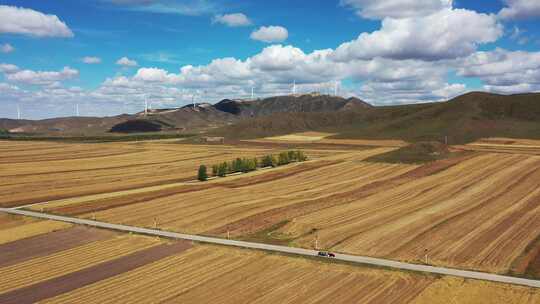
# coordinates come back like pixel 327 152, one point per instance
pixel 426 255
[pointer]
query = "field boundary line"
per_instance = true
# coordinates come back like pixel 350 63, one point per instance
pixel 288 250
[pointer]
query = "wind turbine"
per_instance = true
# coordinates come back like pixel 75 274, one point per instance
pixel 336 88
pixel 252 94
pixel 77 110
pixel 294 87
pixel 145 105
pixel 18 112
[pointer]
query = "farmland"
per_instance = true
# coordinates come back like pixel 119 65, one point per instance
pixel 13 228
pixel 336 200
pixel 186 275
pixel 33 172
pixel 396 211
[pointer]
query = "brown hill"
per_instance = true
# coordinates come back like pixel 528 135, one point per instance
pixel 307 103
pixel 201 116
pixel 462 119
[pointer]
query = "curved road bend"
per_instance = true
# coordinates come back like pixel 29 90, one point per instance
pixel 290 250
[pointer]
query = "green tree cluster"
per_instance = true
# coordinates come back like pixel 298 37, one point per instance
pixel 203 175
pixel 251 164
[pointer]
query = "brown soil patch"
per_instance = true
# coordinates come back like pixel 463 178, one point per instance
pixel 529 263
pixel 78 279
pixel 533 269
pixel 9 221
pixel 46 244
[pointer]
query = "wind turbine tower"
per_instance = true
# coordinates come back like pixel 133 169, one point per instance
pixel 294 87
pixel 252 94
pixel 145 105
pixel 77 110
pixel 18 112
pixel 336 88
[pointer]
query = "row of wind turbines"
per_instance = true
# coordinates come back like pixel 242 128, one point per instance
pixel 148 105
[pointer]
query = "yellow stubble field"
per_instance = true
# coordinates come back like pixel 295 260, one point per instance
pixel 33 172
pixel 480 211
pixel 211 274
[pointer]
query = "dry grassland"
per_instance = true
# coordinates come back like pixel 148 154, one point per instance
pixel 301 137
pixel 210 274
pixel 322 138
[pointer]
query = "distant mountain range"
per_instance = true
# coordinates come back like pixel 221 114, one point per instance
pixel 462 119
pixel 190 117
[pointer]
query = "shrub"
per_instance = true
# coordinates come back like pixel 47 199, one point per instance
pixel 223 169
pixel 300 156
pixel 291 155
pixel 203 175
pixel 266 161
pixel 250 165
pixel 237 165
pixel 283 159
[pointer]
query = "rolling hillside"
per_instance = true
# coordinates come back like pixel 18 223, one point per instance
pixel 189 117
pixel 462 119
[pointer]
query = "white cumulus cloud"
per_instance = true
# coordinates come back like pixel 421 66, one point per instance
pixel 520 9
pixel 270 34
pixel 8 68
pixel 437 36
pixel 18 20
pixel 124 61
pixel 91 60
pixel 51 78
pixel 6 48
pixel 379 9
pixel 504 71
pixel 183 7
pixel 232 20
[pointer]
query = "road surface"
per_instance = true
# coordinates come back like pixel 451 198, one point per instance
pixel 285 249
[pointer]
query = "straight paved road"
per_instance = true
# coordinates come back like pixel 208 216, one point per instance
pixel 284 249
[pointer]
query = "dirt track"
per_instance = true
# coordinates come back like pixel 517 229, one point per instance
pixel 78 279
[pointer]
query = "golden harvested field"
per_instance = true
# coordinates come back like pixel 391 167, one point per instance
pixel 211 274
pixel 476 211
pixel 505 145
pixel 33 172
pixel 244 202
pixel 58 264
pixel 375 209
pixel 13 228
pixel 481 213
pixel 322 138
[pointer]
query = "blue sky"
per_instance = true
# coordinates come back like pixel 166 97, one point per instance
pixel 56 54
